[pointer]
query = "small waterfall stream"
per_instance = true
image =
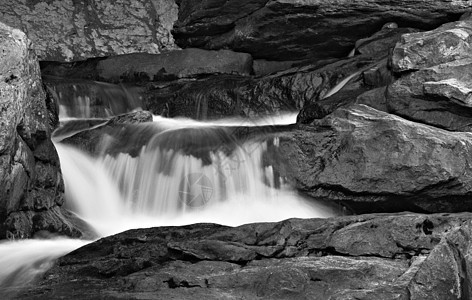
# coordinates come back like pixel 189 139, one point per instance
pixel 187 173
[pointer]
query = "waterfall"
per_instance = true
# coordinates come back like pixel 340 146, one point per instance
pixel 188 172
pixel 185 172
pixel 80 98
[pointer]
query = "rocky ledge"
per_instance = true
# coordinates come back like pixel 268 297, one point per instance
pixel 396 256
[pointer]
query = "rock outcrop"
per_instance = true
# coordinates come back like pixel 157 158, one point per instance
pixel 66 30
pixel 296 30
pixel 375 161
pixel 31 187
pixel 434 69
pixel 400 256
pixel 185 63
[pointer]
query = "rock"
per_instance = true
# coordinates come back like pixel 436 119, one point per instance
pixel 297 30
pixel 118 129
pixel 448 43
pixel 264 67
pixel 363 257
pixel 75 30
pixel 174 64
pixel 231 95
pixel 374 161
pixel 437 95
pixel 346 95
pixel 374 98
pixel 434 74
pixel 350 90
pixel 447 268
pixel 31 188
pixel 382 41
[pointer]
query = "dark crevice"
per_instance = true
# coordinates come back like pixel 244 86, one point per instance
pixel 10 78
pixel 172 284
pixel 427 227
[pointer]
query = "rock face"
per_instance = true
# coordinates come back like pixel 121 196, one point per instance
pixel 74 30
pixel 206 84
pixel 31 184
pixel 376 161
pixel 434 69
pixel 295 30
pixel 404 256
pixel 174 64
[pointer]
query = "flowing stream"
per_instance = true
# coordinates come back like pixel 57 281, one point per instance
pixel 185 172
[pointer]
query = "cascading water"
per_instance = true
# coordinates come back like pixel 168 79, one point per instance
pixel 187 172
pixel 80 98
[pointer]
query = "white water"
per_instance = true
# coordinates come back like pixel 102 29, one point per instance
pixel 163 186
pixel 87 99
pixel 22 261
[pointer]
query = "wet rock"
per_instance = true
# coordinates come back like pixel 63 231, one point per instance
pixel 174 64
pixel 96 138
pixel 296 30
pixel 265 67
pixel 293 259
pixel 355 88
pixel 30 179
pixel 231 95
pixel 374 161
pixel 75 30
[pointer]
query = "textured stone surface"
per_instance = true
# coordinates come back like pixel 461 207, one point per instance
pixel 295 30
pixel 445 44
pixel 436 88
pixel 354 88
pixel 31 185
pixel 218 96
pixel 174 64
pixel 356 257
pixel 66 30
pixel 376 161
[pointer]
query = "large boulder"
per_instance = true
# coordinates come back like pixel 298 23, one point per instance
pixel 66 30
pixel 434 70
pixel 296 30
pixel 400 256
pixel 31 187
pixel 375 161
